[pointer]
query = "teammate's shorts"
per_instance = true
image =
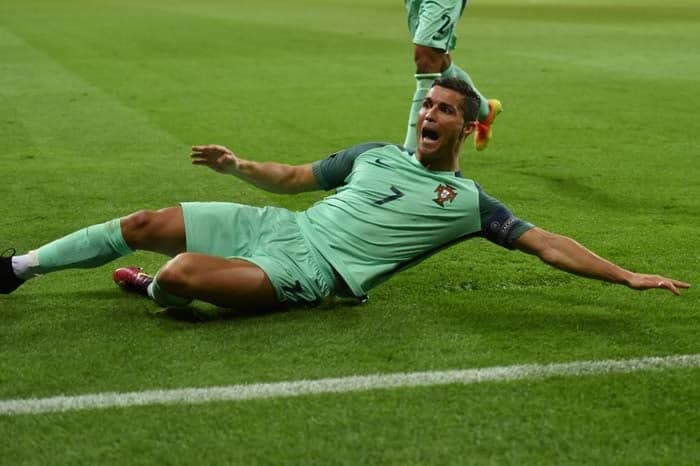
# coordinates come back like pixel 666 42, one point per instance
pixel 268 237
pixel 432 22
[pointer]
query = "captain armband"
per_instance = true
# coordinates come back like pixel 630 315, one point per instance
pixel 503 227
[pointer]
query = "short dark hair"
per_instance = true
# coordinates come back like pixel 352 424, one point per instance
pixel 470 99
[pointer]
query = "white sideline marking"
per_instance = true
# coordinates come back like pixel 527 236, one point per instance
pixel 341 385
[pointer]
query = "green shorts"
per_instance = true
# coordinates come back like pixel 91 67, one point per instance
pixel 268 237
pixel 432 22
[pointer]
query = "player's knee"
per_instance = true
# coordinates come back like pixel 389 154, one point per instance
pixel 430 60
pixel 136 227
pixel 178 273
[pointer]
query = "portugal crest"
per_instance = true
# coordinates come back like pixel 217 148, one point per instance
pixel 445 193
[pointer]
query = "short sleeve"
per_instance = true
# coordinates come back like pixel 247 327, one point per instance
pixel 332 171
pixel 498 224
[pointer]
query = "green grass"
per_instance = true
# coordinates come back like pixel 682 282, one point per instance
pixel 99 102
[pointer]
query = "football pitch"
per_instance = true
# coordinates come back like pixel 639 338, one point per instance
pixel 478 355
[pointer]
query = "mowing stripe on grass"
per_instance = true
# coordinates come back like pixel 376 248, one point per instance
pixel 75 113
pixel 342 385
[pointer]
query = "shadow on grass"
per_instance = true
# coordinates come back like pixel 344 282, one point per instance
pixel 538 320
pixel 122 301
pixel 536 312
pixel 195 315
pixel 106 294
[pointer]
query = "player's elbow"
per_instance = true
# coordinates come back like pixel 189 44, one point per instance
pixel 285 186
pixel 557 250
pixel 546 247
pixel 298 179
pixel 549 256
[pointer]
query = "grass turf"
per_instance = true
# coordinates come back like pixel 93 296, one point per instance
pixel 100 102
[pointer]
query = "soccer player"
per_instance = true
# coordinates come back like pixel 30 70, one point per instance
pixel 391 209
pixel 432 27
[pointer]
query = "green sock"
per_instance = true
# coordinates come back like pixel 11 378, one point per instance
pixel 90 247
pixel 423 83
pixel 166 299
pixel 455 71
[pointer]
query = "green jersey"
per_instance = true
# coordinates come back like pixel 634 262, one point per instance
pixel 389 212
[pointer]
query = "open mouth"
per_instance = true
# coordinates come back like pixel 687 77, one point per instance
pixel 429 134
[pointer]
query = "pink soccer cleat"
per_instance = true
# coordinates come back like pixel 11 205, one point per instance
pixel 132 279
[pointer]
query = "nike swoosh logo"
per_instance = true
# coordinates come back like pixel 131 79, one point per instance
pixel 381 163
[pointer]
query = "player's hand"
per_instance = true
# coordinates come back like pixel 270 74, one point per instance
pixel 218 158
pixel 640 281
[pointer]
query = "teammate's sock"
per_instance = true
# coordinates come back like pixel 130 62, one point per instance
pixel 423 83
pixel 90 247
pixel 164 298
pixel 454 71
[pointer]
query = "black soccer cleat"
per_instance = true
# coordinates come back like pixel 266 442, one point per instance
pixel 9 282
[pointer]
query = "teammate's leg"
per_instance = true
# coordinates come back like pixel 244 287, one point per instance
pixel 454 71
pixel 432 28
pixel 429 64
pixel 431 25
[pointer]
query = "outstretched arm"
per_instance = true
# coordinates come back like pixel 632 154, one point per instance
pixel 270 176
pixel 566 254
